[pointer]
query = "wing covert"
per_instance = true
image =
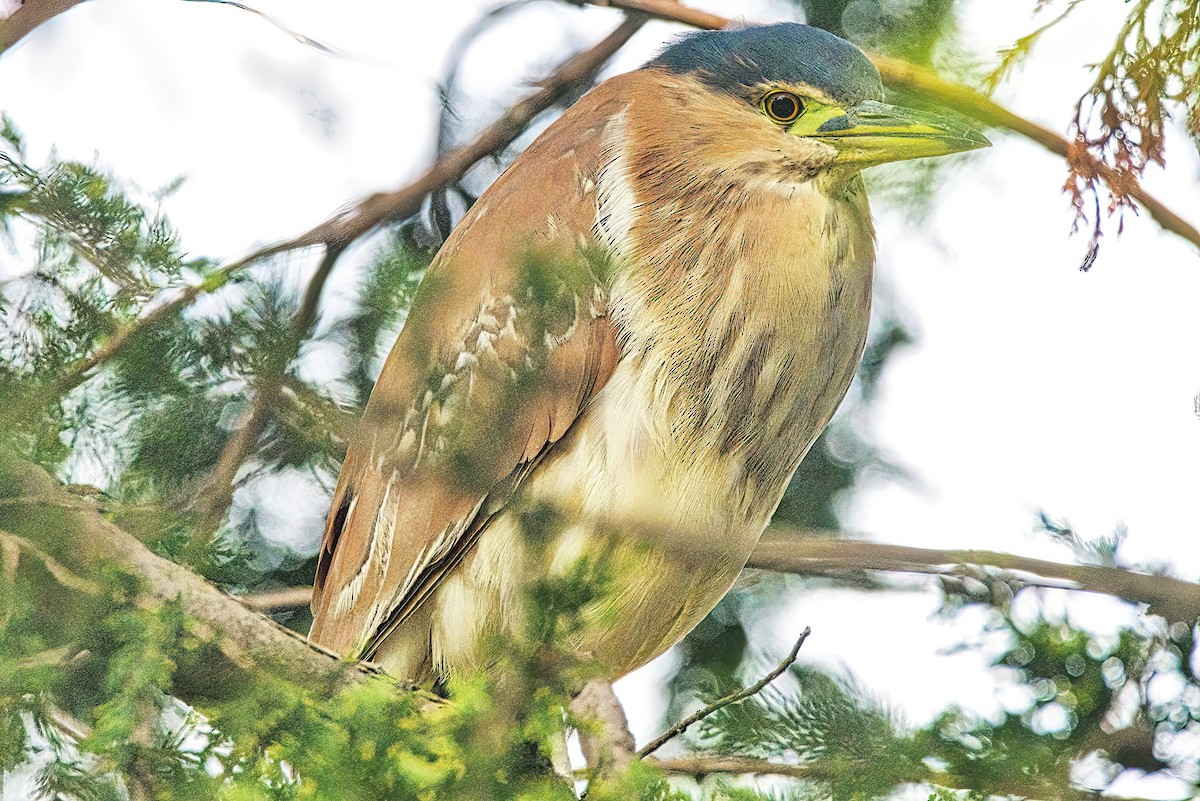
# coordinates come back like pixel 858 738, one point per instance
pixel 507 341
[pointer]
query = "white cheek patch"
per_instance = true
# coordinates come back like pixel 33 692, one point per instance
pixel 615 200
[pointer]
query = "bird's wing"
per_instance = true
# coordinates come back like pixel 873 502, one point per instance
pixel 507 340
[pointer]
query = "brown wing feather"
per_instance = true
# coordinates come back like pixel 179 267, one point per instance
pixel 506 342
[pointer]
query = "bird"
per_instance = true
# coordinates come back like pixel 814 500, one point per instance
pixel 639 329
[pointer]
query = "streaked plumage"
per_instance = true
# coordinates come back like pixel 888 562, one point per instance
pixel 649 317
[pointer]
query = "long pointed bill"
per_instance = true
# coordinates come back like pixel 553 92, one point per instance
pixel 874 133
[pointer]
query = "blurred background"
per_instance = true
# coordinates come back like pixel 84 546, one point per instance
pixel 1009 400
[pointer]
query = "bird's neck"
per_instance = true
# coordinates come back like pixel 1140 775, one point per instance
pixel 744 301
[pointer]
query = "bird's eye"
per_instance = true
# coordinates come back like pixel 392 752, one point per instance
pixel 782 106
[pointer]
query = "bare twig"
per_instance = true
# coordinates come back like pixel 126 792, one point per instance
pixel 69 724
pixel 217 496
pixel 693 765
pixel 901 74
pixel 32 13
pixel 385 207
pixel 439 209
pixel 301 38
pixel 733 698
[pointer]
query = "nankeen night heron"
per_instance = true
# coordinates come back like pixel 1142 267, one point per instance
pixel 643 325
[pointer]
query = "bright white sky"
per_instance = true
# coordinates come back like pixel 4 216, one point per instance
pixel 1033 385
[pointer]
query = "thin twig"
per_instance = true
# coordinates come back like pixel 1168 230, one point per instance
pixel 303 39
pixel 217 496
pixel 741 695
pixel 901 74
pixel 708 765
pixel 1013 784
pixel 67 723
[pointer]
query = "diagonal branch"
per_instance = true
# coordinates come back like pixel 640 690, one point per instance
pixel 901 74
pixel 83 544
pixel 32 13
pixel 733 698
pixel 386 207
pixel 279 600
pixel 62 574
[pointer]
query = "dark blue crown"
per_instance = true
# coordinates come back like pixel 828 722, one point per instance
pixel 787 52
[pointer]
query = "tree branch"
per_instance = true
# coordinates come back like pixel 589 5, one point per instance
pixel 32 13
pixel 733 698
pixel 84 543
pixel 702 765
pixel 278 600
pixel 694 765
pixel 962 99
pixel 61 574
pixel 604 735
pixel 812 553
pixel 799 551
pixel 386 207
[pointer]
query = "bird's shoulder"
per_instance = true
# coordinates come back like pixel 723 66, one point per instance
pixel 507 340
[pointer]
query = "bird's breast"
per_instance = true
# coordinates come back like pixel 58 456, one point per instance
pixel 736 350
pixel 739 340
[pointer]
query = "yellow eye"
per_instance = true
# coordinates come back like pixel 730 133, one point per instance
pixel 783 107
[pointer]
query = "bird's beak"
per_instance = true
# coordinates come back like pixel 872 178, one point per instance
pixel 869 133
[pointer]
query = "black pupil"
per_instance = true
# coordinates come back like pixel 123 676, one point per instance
pixel 783 107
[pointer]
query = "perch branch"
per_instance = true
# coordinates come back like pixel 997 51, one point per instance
pixel 604 735
pixel 83 542
pixel 693 765
pixel 901 74
pixel 278 600
pixel 741 695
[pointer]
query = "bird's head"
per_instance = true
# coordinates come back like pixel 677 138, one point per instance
pixel 800 100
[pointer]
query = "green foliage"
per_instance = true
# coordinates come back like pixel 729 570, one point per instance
pixel 270 740
pixel 1089 703
pixel 850 740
